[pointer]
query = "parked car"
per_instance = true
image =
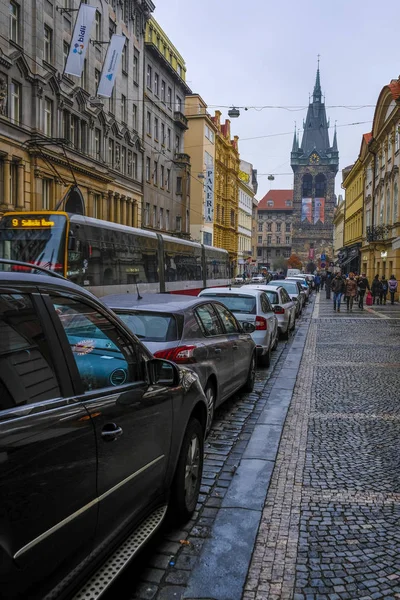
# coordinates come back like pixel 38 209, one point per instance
pixel 240 279
pixel 284 307
pixel 98 437
pixel 258 278
pixel 295 291
pixel 198 332
pixel 304 285
pixel 251 306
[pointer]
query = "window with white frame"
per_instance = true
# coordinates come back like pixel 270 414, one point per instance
pixel 388 206
pixel 134 165
pixel 177 144
pixel 46 193
pixel 98 30
pixel 156 84
pixel 125 58
pixel 147 214
pixel 136 66
pixel 169 98
pixel 148 123
pixel 96 205
pixel 162 176
pixel 124 115
pixel 287 239
pixel 162 90
pixel 163 134
pixel 48 44
pixel 111 153
pixel 97 143
pixel 134 117
pixel 123 160
pixel 155 128
pixel 155 173
pixel 259 239
pixel 169 139
pixel 178 104
pixel 161 222
pixel 167 219
pixel 278 239
pixel 381 205
pixel 168 180
pixel 15 102
pixel 148 169
pixel 48 117
pixel 178 224
pixel 397 138
pixel 66 52
pixel 154 216
pixel 269 226
pixel 149 76
pixel 14 32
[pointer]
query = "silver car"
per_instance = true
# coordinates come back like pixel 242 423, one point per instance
pixel 251 306
pixel 295 291
pixel 198 332
pixel 305 285
pixel 284 307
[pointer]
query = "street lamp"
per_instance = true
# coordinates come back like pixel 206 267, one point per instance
pixel 234 112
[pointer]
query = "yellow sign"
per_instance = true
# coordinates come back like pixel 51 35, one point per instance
pixel 32 223
pixel 244 176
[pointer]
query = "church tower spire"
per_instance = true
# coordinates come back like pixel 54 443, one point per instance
pixel 315 136
pixel 295 146
pixel 317 94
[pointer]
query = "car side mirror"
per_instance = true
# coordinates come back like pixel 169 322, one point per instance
pixel 248 327
pixel 162 372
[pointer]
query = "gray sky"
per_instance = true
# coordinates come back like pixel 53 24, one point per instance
pixel 262 53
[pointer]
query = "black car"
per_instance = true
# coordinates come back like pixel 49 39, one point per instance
pixel 97 438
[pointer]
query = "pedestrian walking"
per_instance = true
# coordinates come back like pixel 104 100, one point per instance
pixel 376 289
pixel 328 281
pixel 384 290
pixel 350 291
pixel 317 282
pixel 363 286
pixel 323 279
pixel 338 287
pixel 392 288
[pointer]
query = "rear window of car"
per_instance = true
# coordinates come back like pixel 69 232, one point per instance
pixel 239 303
pixel 290 287
pixel 149 326
pixel 273 297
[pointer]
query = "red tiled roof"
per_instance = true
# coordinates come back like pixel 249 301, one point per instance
pixel 279 198
pixel 367 137
pixel 394 86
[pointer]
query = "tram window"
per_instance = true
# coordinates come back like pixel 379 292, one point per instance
pixel 182 262
pixel 217 265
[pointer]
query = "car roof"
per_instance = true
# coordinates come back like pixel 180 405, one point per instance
pixel 243 289
pixel 37 280
pixel 265 287
pixel 154 302
pixel 281 282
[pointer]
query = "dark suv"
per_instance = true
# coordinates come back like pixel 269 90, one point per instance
pixel 97 438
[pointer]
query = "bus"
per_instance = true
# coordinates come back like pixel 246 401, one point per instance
pixel 108 258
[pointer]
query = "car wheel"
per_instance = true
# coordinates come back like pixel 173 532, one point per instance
pixel 251 375
pixel 187 479
pixel 209 393
pixel 265 359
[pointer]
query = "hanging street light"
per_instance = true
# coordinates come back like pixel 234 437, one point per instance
pixel 234 112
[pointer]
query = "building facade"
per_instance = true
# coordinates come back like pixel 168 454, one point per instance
pixel 200 144
pixel 315 164
pixel 58 139
pixel 226 190
pixel 167 172
pixel 380 157
pixel 338 230
pixel 252 266
pixel 353 184
pixel 274 229
pixel 247 189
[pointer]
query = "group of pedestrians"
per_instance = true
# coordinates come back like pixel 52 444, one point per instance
pixel 354 287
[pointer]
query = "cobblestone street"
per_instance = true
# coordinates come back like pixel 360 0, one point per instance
pixel 330 529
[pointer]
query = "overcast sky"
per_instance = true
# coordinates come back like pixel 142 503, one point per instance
pixel 265 53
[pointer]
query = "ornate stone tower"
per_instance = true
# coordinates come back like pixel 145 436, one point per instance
pixel 315 164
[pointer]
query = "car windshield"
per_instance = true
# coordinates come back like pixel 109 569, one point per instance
pixel 273 297
pixel 289 287
pixel 150 326
pixel 238 303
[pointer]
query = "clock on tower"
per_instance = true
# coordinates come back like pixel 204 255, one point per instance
pixel 314 158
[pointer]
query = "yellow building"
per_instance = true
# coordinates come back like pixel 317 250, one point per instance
pixel 338 229
pixel 247 189
pixel 200 145
pixel 353 184
pixel 380 157
pixel 226 189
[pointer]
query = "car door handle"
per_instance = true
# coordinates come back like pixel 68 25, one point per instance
pixel 111 432
pixel 217 350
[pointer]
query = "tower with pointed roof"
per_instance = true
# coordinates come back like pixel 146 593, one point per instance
pixel 315 164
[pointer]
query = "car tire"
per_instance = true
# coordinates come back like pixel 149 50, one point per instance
pixel 265 359
pixel 210 395
pixel 251 375
pixel 186 484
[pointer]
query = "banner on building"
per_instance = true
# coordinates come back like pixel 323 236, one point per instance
pixel 319 210
pixel 209 190
pixel 80 40
pixel 306 209
pixel 111 64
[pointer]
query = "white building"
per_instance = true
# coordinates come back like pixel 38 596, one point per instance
pixel 247 191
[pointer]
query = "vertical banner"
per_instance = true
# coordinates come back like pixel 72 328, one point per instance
pixel 319 210
pixel 209 189
pixel 80 40
pixel 111 64
pixel 306 207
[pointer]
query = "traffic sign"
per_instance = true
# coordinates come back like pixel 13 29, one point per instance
pixel 323 265
pixel 323 256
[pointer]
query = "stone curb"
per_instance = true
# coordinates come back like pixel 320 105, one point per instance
pixel 221 569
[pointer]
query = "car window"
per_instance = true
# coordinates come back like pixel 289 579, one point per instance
pixel 103 355
pixel 273 297
pixel 209 320
pixel 26 369
pixel 285 296
pixel 150 326
pixel 265 303
pixel 228 319
pixel 236 302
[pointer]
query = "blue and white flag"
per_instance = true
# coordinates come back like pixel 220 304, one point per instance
pixel 80 40
pixel 111 64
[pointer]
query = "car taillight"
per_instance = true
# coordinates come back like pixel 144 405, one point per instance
pixel 261 323
pixel 180 354
pixel 279 310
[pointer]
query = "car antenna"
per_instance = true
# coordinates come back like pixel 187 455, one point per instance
pixel 139 297
pixel 230 287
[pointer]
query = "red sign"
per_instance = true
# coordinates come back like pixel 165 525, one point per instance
pixel 311 253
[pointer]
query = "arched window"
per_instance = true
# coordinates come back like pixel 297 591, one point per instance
pixel 307 185
pixel 320 186
pixel 395 202
pixel 387 206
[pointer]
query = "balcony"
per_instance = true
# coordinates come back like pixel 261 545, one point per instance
pixel 180 120
pixel 378 233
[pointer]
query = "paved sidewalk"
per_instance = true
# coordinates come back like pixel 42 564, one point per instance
pixel 330 528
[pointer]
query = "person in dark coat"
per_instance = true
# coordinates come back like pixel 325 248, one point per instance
pixel 338 287
pixel 383 291
pixel 363 286
pixel 328 281
pixel 376 289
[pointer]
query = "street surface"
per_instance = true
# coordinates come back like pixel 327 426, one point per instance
pixel 301 486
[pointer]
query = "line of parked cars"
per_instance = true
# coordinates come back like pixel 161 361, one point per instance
pixel 104 407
